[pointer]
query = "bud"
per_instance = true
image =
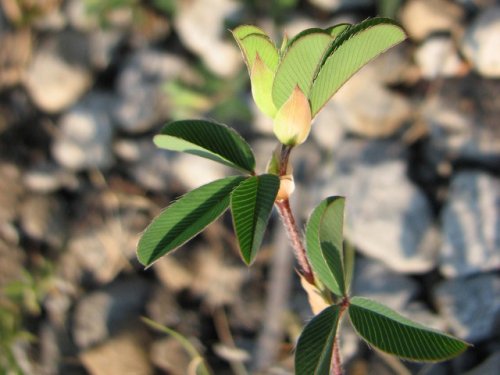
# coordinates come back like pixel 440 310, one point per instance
pixel 287 186
pixel 292 123
pixel 262 79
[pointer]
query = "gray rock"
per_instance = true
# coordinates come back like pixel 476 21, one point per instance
pixel 471 225
pixel 200 27
pixel 142 101
pixel 489 367
pixel 42 218
pixel 103 313
pixel 481 44
pixel 373 280
pixel 85 136
pixel 387 217
pixel 47 178
pixel 55 82
pixel 326 129
pixel 471 306
pixel 193 171
pixel 421 18
pixel 11 191
pixel 332 5
pixel 149 166
pixel 438 57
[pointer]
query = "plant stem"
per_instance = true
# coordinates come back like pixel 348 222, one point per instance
pixel 293 233
pixel 336 364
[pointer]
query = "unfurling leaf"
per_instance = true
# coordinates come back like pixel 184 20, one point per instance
pixel 315 346
pixel 251 205
pixel 261 79
pixel 209 140
pixel 185 218
pixel 292 122
pixel 392 333
pixel 256 43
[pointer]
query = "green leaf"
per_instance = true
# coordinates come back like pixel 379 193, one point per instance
pixel 324 243
pixel 243 31
pixel 261 44
pixel 262 78
pixel 350 51
pixel 313 355
pixel 299 65
pixel 185 218
pixel 392 333
pixel 251 205
pixel 349 261
pixel 336 30
pixel 209 140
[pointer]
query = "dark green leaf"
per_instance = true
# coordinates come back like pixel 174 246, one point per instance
pixel 392 333
pixel 251 205
pixel 209 140
pixel 185 218
pixel 299 66
pixel 313 355
pixel 324 243
pixel 350 51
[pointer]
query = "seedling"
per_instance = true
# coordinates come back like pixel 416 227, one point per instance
pixel 291 84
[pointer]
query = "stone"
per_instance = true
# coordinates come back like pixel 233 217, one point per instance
pixel 471 306
pixel 149 166
pixel 193 171
pixel 199 24
pixel 105 312
pixel 142 101
pixel 365 107
pixel 54 83
pixel 47 178
pixel 168 355
pixel 489 366
pixel 11 266
pixel 374 280
pixel 126 354
pixel 438 57
pixel 86 131
pixel 326 131
pixel 471 225
pixel 387 217
pixel 420 18
pixel 15 54
pixel 333 5
pixel 480 44
pixel 163 308
pixel 43 218
pixel 11 191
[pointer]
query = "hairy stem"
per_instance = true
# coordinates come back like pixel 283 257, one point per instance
pixel 293 233
pixel 336 364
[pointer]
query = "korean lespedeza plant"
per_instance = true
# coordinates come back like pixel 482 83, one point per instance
pixel 291 84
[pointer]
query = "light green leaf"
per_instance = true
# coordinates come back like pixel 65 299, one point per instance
pixel 251 205
pixel 350 51
pixel 209 140
pixel 299 65
pixel 313 355
pixel 392 333
pixel 243 31
pixel 349 260
pixel 185 218
pixel 336 30
pixel 262 78
pixel 324 243
pixel 261 44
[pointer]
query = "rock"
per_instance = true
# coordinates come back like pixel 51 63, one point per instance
pixel 43 219
pixel 11 191
pixel 489 367
pixel 193 171
pixel 326 130
pixel 103 313
pixel 373 280
pixel 163 308
pixel 471 306
pixel 55 83
pixel 480 44
pixel 14 55
pixel 168 355
pixel 149 166
pixel 102 47
pixel 11 266
pixel 437 57
pixel 172 274
pixel 142 102
pixel 85 136
pixel 126 354
pixel 420 18
pixel 333 5
pixel 48 178
pixel 365 107
pixel 199 24
pixel 471 225
pixel 387 217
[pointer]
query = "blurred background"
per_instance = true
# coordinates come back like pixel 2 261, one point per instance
pixel 413 141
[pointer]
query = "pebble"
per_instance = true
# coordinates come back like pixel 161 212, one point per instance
pixel 387 217
pixel 142 102
pixel 438 57
pixel 199 24
pixel 471 306
pixel 48 178
pixel 193 171
pixel 471 225
pixel 11 191
pixel 481 43
pixel 54 83
pixel 86 130
pixel 102 313
pixel 489 367
pixel 326 130
pixel 421 18
pixel 333 5
pixel 168 355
